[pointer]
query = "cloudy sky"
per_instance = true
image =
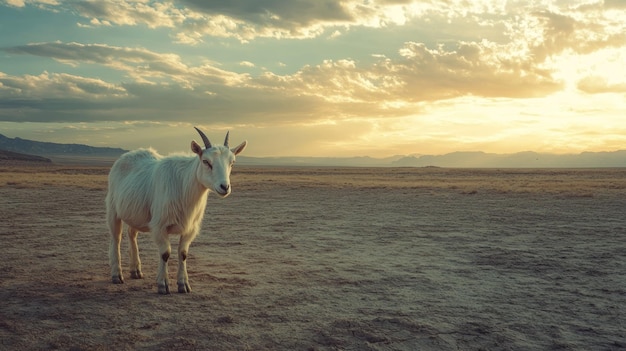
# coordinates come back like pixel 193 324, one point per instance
pixel 317 77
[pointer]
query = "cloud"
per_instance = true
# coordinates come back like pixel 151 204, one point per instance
pixel 595 85
pixel 140 64
pixel 245 20
pixel 15 3
pixel 165 87
pixel 482 69
pixel 287 14
pixel 420 74
pixel 38 3
pixel 241 19
pixel 583 35
pixel 90 53
pixel 56 97
pixel 583 27
pixel 130 13
pixel 57 85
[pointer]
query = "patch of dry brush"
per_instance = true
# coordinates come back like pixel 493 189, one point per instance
pixel 566 182
pixel 29 176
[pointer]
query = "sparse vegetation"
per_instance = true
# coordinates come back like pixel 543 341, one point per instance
pixel 31 175
pixel 569 182
pixel 566 182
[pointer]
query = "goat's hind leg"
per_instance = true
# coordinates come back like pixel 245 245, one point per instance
pixel 115 227
pixel 135 261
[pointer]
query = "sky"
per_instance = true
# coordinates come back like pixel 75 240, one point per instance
pixel 317 77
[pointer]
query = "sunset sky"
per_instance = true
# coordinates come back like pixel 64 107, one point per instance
pixel 317 77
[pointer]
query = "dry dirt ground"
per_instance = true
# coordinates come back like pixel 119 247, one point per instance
pixel 327 259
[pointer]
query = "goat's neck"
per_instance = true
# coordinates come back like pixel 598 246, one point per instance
pixel 194 190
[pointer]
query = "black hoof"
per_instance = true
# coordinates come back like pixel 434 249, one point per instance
pixel 184 288
pixel 136 274
pixel 163 289
pixel 117 279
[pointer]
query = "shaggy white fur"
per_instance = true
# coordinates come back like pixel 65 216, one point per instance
pixel 164 195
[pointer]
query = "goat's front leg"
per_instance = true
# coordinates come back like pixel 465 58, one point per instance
pixel 183 250
pixel 165 249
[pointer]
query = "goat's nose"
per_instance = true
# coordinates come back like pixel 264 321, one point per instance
pixel 225 187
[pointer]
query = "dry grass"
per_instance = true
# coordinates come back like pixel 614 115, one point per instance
pixel 28 176
pixel 568 182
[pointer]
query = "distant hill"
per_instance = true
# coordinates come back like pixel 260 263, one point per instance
pixel 455 160
pixel 318 161
pixel 84 154
pixel 16 156
pixel 517 160
pixel 47 149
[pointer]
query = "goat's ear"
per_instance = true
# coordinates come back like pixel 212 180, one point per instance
pixel 237 150
pixel 197 149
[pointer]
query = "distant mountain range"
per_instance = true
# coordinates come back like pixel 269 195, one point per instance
pixel 69 153
pixel 526 159
pixel 47 149
pixel 456 159
pixel 319 161
pixel 16 156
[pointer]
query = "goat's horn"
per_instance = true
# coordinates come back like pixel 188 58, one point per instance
pixel 226 140
pixel 207 143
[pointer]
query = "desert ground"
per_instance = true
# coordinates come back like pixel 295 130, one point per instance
pixel 327 259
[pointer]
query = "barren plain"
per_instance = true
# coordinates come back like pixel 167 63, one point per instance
pixel 328 259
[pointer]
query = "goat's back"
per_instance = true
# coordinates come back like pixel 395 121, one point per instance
pixel 133 168
pixel 130 185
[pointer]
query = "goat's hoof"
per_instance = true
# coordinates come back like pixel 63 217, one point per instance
pixel 117 279
pixel 136 274
pixel 184 288
pixel 164 289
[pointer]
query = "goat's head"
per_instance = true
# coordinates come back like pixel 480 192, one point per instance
pixel 215 164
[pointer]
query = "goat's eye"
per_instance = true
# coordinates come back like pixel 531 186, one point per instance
pixel 208 164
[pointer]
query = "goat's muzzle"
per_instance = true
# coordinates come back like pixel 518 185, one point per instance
pixel 223 190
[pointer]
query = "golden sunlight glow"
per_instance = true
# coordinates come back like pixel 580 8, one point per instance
pixel 342 78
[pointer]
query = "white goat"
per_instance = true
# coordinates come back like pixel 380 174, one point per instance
pixel 164 195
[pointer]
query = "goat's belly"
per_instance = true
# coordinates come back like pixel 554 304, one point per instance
pixel 139 223
pixel 141 228
pixel 171 229
pixel 175 229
